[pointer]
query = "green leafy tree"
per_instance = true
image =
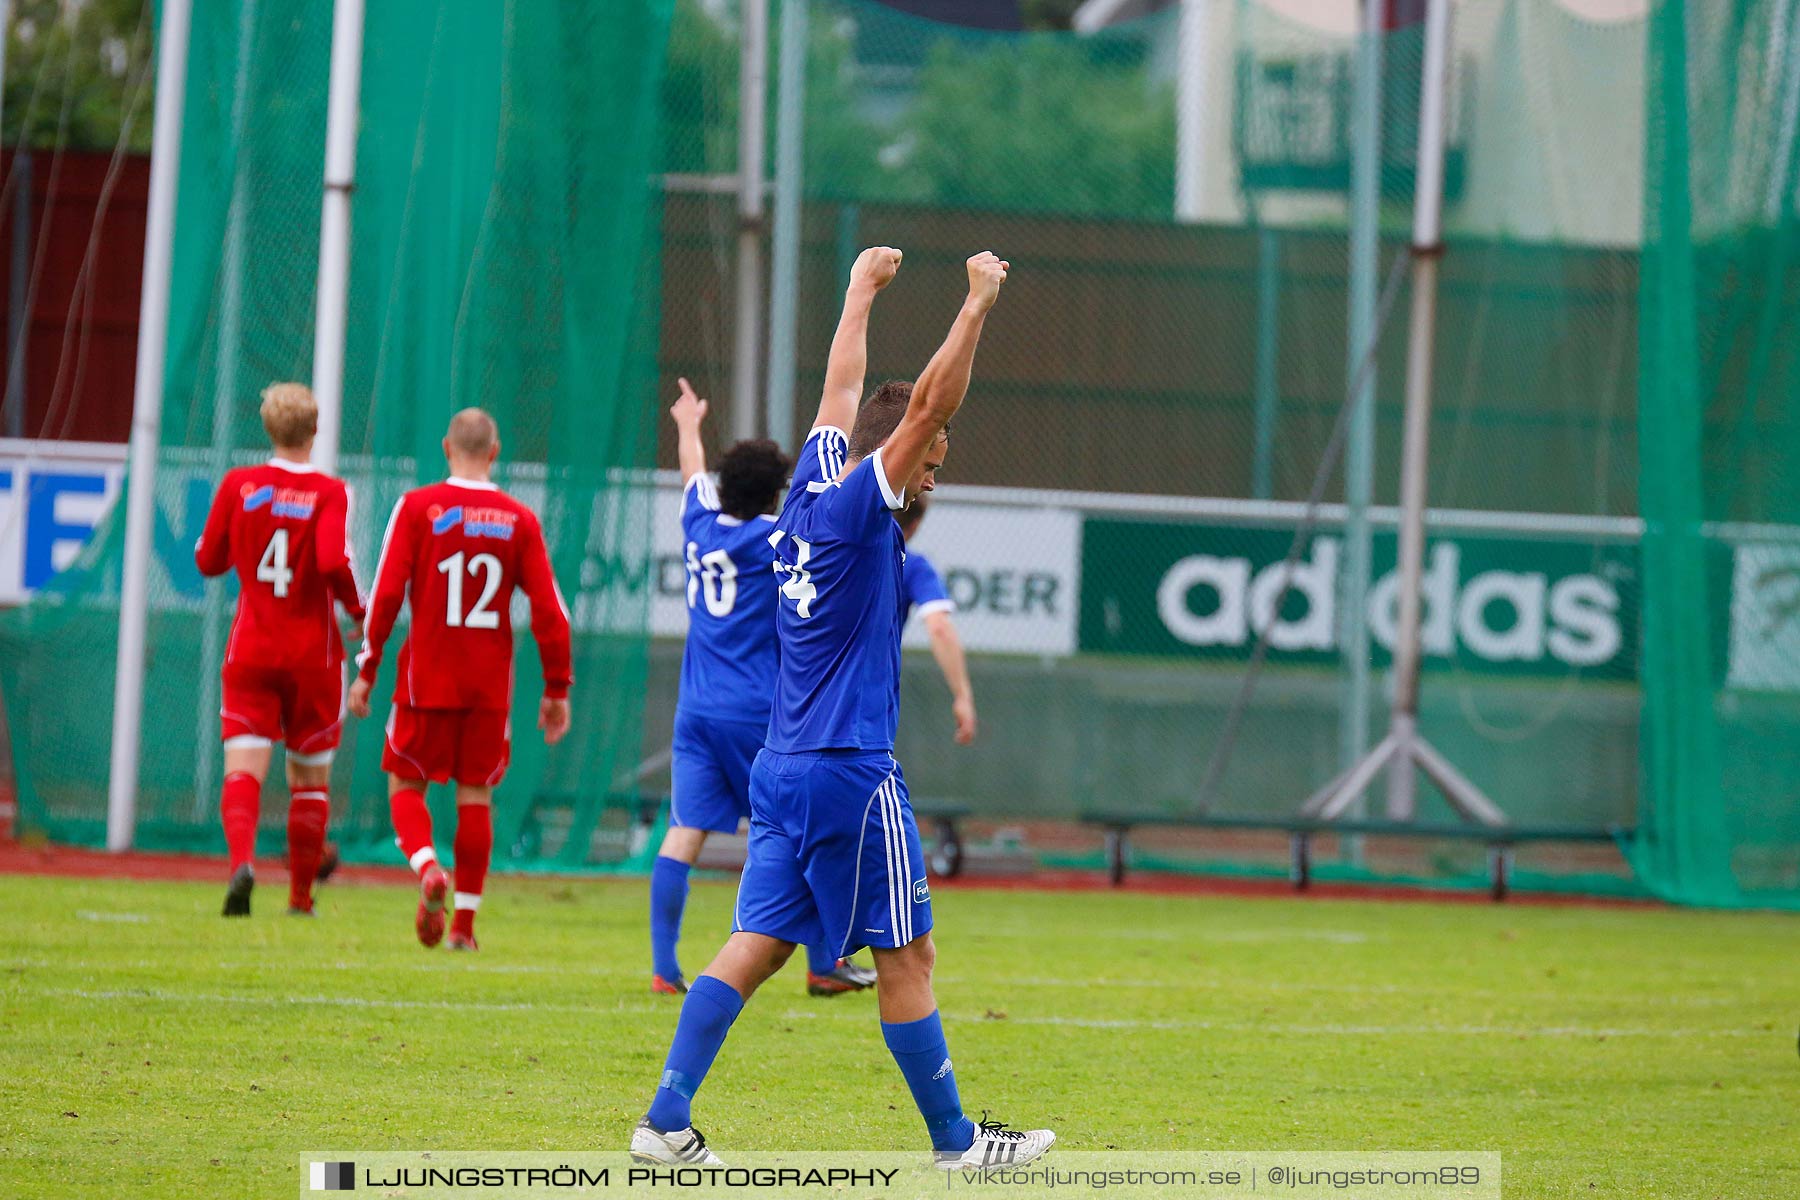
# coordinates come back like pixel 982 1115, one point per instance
pixel 79 75
pixel 700 102
pixel 1041 123
pixel 700 93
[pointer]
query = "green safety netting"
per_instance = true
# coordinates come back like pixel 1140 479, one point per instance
pixel 1719 822
pixel 503 255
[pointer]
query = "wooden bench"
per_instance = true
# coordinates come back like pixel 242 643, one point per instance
pixel 1499 839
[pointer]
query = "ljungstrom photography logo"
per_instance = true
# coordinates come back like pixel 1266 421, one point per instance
pixel 333 1176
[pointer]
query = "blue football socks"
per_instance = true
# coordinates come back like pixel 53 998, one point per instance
pixel 924 1058
pixel 820 961
pixel 706 1016
pixel 668 897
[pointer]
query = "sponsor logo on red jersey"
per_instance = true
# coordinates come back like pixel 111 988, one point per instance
pixel 281 502
pixel 474 522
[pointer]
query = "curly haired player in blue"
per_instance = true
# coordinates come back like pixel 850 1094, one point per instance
pixel 834 850
pixel 727 667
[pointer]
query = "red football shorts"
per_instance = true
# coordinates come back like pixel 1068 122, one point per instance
pixel 469 745
pixel 302 706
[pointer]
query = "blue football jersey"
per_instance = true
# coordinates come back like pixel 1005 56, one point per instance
pixel 838 553
pixel 728 667
pixel 924 587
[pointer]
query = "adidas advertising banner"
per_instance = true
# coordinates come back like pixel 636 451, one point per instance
pixel 1494 604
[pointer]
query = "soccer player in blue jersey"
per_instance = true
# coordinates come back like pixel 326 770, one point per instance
pixel 923 592
pixel 727 678
pixel 834 851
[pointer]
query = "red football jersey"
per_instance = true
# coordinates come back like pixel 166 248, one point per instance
pixel 281 526
pixel 456 550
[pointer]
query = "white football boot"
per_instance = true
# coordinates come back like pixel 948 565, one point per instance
pixel 997 1148
pixel 677 1148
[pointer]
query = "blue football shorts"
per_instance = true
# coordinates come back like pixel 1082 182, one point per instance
pixel 709 771
pixel 834 857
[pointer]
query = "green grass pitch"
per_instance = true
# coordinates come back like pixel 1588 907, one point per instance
pixel 151 1049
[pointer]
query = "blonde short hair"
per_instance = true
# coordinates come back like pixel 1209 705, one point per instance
pixel 473 432
pixel 289 414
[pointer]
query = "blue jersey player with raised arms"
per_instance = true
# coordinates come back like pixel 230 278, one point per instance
pixel 727 678
pixel 834 851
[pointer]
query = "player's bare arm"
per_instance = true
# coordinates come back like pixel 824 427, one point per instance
pixel 359 697
pixel 940 388
pixel 553 719
pixel 947 649
pixel 689 411
pixel 849 360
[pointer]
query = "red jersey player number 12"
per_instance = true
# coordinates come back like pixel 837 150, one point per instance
pixel 454 552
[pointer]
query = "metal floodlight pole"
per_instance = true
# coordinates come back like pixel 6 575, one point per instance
pixel 1190 108
pixel 146 422
pixel 334 227
pixel 753 70
pixel 1402 751
pixel 1359 459
pixel 784 284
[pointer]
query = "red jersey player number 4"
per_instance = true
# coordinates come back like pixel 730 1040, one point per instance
pixel 455 552
pixel 279 527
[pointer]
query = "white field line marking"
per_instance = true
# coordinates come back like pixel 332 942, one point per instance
pixel 304 965
pixel 1522 1031
pixel 1350 989
pixel 1233 937
pixel 124 918
pixel 987 982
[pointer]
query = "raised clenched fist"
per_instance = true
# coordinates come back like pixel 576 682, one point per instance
pixel 987 271
pixel 876 266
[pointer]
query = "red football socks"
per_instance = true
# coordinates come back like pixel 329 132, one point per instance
pixel 474 847
pixel 412 827
pixel 308 813
pixel 239 805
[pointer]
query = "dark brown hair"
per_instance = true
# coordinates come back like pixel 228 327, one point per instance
pixel 879 416
pixel 751 478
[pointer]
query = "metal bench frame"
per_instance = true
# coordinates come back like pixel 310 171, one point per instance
pixel 1500 839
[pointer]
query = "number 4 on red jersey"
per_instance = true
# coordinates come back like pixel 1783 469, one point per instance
pixel 454 552
pixel 280 527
